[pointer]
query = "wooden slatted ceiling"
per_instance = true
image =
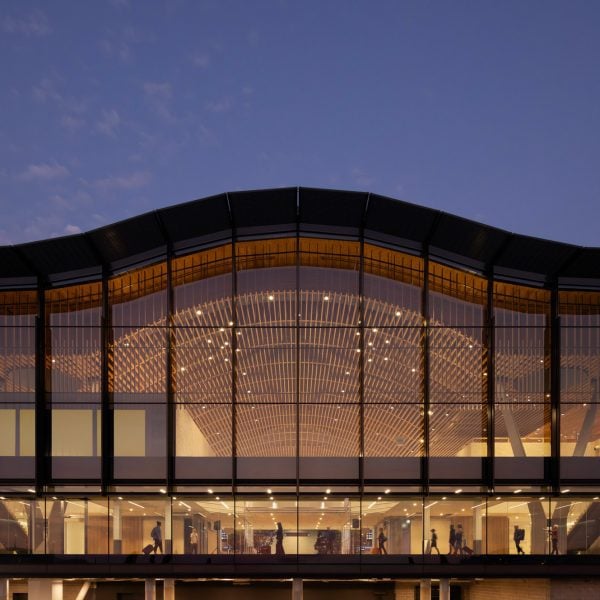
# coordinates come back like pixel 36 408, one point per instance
pixel 328 376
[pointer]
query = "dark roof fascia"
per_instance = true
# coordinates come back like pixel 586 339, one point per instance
pixel 376 217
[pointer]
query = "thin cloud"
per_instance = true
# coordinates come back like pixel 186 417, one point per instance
pixel 71 123
pixel 132 181
pixel 158 96
pixel 72 229
pixel 201 61
pixel 34 24
pixel 44 171
pixel 109 123
pixel 158 90
pixel 120 44
pixel 220 106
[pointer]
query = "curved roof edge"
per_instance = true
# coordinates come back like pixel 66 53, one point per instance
pixel 313 211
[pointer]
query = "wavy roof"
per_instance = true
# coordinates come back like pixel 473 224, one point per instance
pixel 204 222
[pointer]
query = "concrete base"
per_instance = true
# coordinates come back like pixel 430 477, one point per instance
pixel 169 589
pixel 45 589
pixel 150 589
pixel 297 589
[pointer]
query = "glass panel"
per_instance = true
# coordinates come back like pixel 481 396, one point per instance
pixel 266 365
pixel 140 442
pixel 138 303
pixel 76 441
pixel 580 431
pixel 329 525
pixel 393 366
pixel 329 430
pixel 329 282
pixel 18 517
pixel 266 430
pixel 517 522
pixel 77 526
pixel 391 525
pixel 202 288
pixel 393 430
pixel 457 430
pixel 574 526
pixel 203 526
pixel 329 365
pixel 203 430
pixel 73 342
pixel 458 371
pixel 392 288
pixel 18 312
pixel 522 344
pixel 522 430
pixel 266 282
pixel 458 525
pixel 203 365
pixel 267 526
pixel 17 384
pixel 138 522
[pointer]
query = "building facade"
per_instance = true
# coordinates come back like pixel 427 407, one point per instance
pixel 364 375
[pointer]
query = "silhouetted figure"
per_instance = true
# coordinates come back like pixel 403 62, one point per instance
pixel 279 540
pixel 434 539
pixel 518 536
pixel 452 540
pixel 381 540
pixel 554 539
pixel 194 540
pixel 156 535
pixel 458 544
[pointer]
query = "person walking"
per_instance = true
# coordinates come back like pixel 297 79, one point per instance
pixel 458 544
pixel 194 540
pixel 279 540
pixel 554 539
pixel 452 540
pixel 433 542
pixel 518 536
pixel 381 540
pixel 156 535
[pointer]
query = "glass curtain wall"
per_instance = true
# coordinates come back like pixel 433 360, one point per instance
pixel 522 381
pixel 458 373
pixel 138 372
pixel 18 312
pixel 393 366
pixel 579 383
pixel 73 379
pixel 202 369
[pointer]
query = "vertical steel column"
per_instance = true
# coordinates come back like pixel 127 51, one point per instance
pixel 233 354
pixel 297 341
pixel 425 362
pixel 489 371
pixel 361 356
pixel 106 396
pixel 554 387
pixel 43 433
pixel 171 368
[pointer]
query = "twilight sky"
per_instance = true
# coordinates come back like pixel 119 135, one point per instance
pixel 485 109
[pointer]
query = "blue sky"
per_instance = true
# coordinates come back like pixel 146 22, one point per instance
pixel 488 110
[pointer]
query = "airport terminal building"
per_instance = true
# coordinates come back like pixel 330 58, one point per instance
pixel 299 392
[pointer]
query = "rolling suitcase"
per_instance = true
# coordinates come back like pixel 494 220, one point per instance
pixel 466 550
pixel 147 549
